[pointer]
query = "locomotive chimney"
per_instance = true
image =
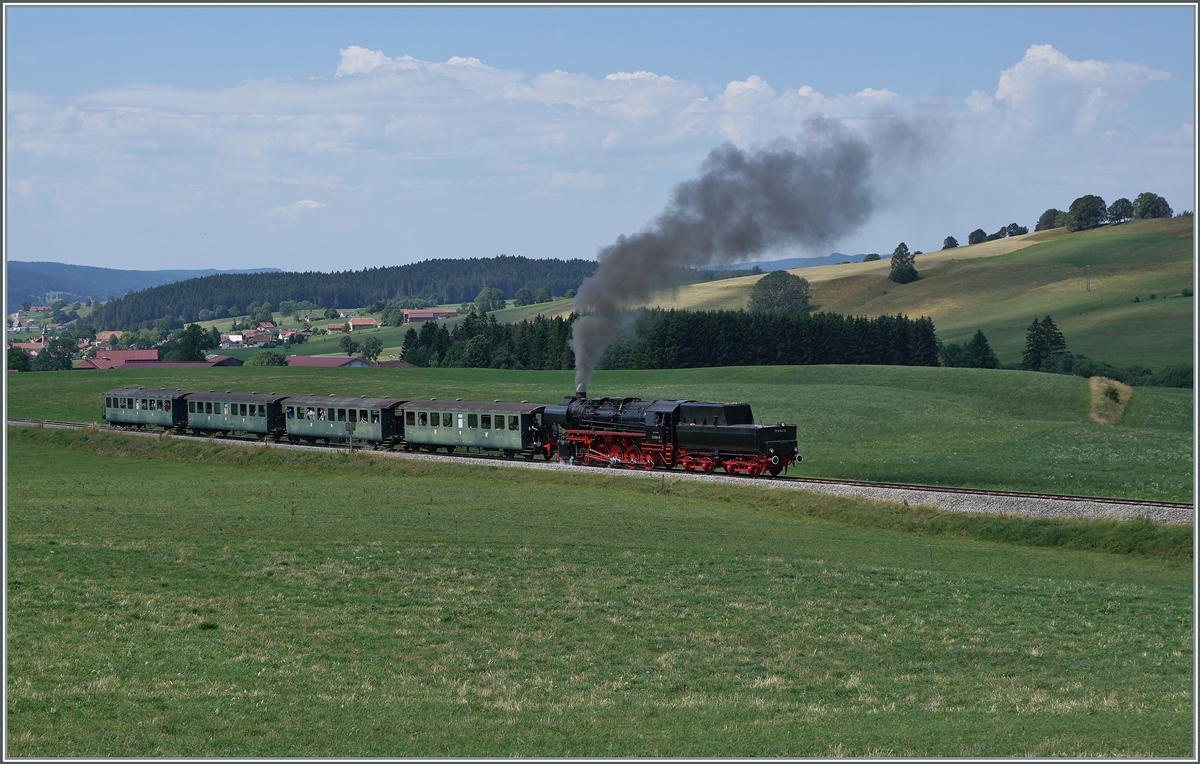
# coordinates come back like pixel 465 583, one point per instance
pixel 581 390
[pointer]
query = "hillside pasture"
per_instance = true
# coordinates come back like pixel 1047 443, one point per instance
pixel 965 427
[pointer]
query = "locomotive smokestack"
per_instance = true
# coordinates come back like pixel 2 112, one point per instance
pixel 581 390
pixel 808 193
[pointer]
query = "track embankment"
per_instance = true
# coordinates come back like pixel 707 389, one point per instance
pixel 939 497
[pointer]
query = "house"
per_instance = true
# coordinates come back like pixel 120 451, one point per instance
pixel 266 326
pixel 222 360
pixel 108 336
pixel 128 355
pixel 33 348
pixel 363 323
pixel 309 317
pixel 39 308
pixel 335 328
pixel 347 314
pixel 396 365
pixel 421 316
pixel 329 361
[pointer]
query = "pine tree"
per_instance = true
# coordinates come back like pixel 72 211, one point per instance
pixel 978 354
pixel 1036 347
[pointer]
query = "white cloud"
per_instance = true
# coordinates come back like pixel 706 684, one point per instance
pixel 292 211
pixel 1046 90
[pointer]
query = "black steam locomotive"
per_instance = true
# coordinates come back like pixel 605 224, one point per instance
pixel 633 433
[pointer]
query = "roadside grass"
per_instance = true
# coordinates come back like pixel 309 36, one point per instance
pixel 191 599
pixel 964 427
pixel 1000 286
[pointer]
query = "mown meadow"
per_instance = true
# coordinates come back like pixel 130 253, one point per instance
pixel 183 598
pixel 964 427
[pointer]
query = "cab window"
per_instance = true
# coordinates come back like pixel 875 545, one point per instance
pixel 514 422
pixel 410 417
pixel 487 421
pixel 473 420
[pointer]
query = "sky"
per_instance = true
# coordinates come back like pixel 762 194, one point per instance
pixel 309 138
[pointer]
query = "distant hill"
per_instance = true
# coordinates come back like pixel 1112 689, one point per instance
pixel 42 282
pixel 442 281
pixel 791 263
pixel 999 286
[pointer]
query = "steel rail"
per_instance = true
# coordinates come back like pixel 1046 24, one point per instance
pixel 782 478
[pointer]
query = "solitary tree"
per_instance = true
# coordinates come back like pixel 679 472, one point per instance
pixel 349 345
pixel 1086 212
pixel 544 295
pixel 329 312
pixel 1120 211
pixel 781 291
pixel 904 269
pixel 191 343
pixel 266 357
pixel 872 257
pixel 1044 345
pixel 371 348
pixel 570 295
pixel 523 297
pixel 978 236
pixel 950 243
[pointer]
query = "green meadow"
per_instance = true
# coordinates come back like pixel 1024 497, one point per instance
pixel 180 598
pixel 964 427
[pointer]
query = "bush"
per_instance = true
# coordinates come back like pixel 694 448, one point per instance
pixel 872 258
pixel 978 236
pixel 267 358
pixel 781 291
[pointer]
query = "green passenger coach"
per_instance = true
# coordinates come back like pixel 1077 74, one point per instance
pixel 372 420
pixel 254 413
pixel 139 407
pixel 511 428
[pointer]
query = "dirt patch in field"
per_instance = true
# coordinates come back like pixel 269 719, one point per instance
pixel 1109 399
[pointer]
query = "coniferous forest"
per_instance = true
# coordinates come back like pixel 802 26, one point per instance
pixel 436 281
pixel 676 339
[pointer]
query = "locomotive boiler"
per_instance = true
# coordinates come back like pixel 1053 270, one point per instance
pixel 695 435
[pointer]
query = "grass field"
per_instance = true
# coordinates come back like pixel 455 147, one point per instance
pixel 1000 286
pixel 965 427
pixel 186 599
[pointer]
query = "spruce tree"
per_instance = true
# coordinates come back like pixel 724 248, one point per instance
pixel 1036 349
pixel 979 354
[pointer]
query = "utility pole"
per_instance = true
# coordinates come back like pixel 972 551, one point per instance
pixel 1088 270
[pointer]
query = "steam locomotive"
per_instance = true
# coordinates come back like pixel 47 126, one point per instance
pixel 601 432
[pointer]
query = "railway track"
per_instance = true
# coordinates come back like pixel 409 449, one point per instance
pixel 942 497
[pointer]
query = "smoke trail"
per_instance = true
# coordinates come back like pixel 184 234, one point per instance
pixel 807 193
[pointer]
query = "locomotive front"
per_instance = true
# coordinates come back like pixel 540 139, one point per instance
pixel 702 436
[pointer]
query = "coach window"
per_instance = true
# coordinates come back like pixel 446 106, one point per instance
pixel 332 414
pixel 472 421
pixel 514 423
pixel 487 421
pixel 262 409
pixel 310 415
pixel 374 417
pixel 107 402
pixel 226 409
pixel 422 419
pixel 242 408
pixel 122 403
pixel 291 412
pixel 499 421
pixel 144 406
pixel 447 419
pixel 410 417
pixel 362 416
pixel 191 407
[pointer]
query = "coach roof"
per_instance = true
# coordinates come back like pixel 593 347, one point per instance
pixel 240 397
pixel 141 392
pixel 354 403
pixel 480 406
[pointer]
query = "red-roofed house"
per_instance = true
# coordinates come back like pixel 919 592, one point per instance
pixel 333 361
pixel 363 323
pixel 335 328
pixel 108 336
pixel 128 355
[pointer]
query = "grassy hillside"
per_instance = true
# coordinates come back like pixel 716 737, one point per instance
pixel 967 427
pixel 1000 286
pixel 259 602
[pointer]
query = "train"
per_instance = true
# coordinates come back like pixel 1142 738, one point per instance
pixel 629 433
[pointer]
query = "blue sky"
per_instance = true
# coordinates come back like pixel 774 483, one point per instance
pixel 302 138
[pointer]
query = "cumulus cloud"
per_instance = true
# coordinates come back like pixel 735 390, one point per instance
pixel 1046 90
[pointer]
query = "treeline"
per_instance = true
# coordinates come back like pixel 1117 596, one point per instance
pixel 677 339
pixel 443 281
pixel 481 342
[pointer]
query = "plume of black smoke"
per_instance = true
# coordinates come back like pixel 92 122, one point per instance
pixel 809 192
